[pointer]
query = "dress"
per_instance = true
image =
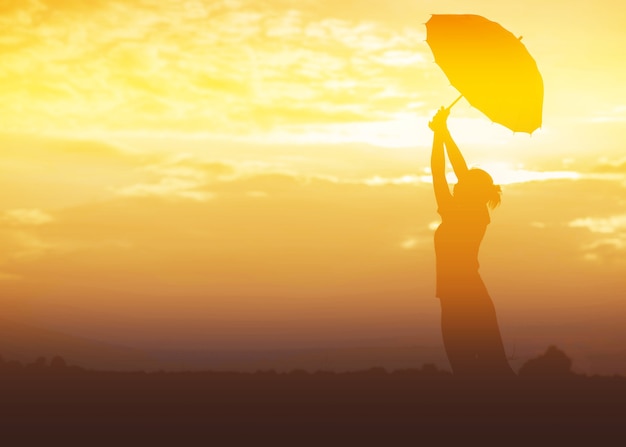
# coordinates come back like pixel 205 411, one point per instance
pixel 469 325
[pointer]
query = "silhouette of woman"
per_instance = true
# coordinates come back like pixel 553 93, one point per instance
pixel 471 335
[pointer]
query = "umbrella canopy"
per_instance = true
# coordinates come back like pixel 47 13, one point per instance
pixel 490 67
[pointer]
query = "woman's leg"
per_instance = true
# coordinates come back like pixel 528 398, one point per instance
pixel 471 337
pixel 455 330
pixel 491 356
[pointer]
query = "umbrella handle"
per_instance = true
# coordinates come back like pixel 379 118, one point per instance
pixel 455 101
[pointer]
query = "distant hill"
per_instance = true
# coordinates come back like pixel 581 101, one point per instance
pixel 25 343
pixel 390 356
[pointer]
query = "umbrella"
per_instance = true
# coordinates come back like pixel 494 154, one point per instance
pixel 490 67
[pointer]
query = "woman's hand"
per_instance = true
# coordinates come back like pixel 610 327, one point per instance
pixel 439 123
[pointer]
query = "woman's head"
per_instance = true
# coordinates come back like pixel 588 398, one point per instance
pixel 476 187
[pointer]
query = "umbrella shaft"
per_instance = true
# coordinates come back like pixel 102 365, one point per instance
pixel 455 101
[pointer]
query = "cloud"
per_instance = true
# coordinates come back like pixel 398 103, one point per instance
pixel 399 58
pixel 254 217
pixel 45 173
pixel 24 246
pixel 285 26
pixel 404 180
pixel 189 169
pixel 607 250
pixel 616 114
pixel 611 224
pixel 415 243
pixel 610 167
pixel 409 244
pixel 225 67
pixel 171 187
pixel 181 177
pixel 26 217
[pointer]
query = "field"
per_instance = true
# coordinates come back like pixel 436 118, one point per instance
pixel 55 403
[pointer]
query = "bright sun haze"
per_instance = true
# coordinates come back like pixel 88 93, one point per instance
pixel 246 175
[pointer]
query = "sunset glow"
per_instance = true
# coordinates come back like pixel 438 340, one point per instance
pixel 224 174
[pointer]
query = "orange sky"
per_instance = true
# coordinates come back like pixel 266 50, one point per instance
pixel 254 174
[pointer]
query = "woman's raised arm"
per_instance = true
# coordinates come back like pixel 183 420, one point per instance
pixel 456 158
pixel 437 158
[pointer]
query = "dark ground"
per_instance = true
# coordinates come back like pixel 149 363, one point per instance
pixel 53 404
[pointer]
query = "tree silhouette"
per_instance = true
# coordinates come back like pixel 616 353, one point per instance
pixel 58 364
pixel 553 363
